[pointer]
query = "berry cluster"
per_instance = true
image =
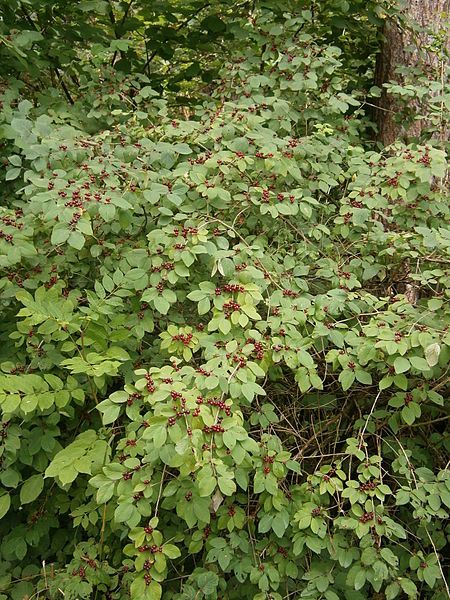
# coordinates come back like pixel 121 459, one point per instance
pixel 81 572
pixel 268 460
pixel 74 203
pixel 258 348
pixel 4 430
pixel 184 338
pixel 233 288
pixel 185 231
pixel 74 220
pixel 216 402
pixel 201 159
pixel 237 359
pixel 171 421
pixel 393 181
pixel 148 565
pixel 356 204
pixel 150 384
pixel 207 447
pixel 203 372
pixel 290 294
pixel 425 159
pixel 168 266
pixel 230 307
pixel 368 486
pixel 180 411
pixel 37 515
pixel 344 274
pixel 366 517
pixel 11 222
pixel 213 429
pixel 153 549
pixel 241 267
pixel 15 277
pixel 51 282
pixel 6 236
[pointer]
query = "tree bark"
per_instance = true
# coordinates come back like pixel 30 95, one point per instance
pixel 405 47
pixel 408 46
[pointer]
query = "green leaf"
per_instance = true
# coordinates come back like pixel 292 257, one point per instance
pixel 346 378
pixel 279 524
pixel 12 174
pixel 31 489
pixel 171 551
pixel 76 240
pixel 123 512
pixel 206 486
pixel 419 363
pixel 408 586
pixel 226 486
pixel 408 415
pixel 5 503
pixel 392 591
pixel 401 364
pixel 161 305
pixel 214 23
pixel 432 353
pixel 363 377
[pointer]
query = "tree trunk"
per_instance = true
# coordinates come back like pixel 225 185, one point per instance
pixel 404 47
pixel 408 46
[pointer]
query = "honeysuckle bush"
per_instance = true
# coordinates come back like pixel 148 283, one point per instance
pixel 225 341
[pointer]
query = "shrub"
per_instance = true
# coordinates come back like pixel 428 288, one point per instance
pixel 225 342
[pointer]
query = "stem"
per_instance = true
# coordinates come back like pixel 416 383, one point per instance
pixel 118 28
pixel 64 87
pixel 160 490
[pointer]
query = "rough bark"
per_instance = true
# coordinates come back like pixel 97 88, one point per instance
pixel 404 47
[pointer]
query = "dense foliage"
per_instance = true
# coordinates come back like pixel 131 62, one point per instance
pixel 225 341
